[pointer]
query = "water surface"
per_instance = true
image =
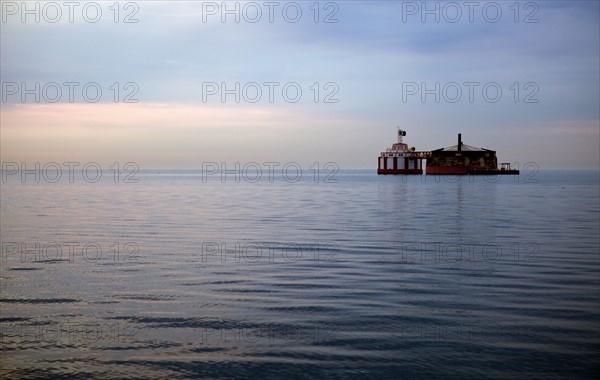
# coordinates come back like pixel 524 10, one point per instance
pixel 367 277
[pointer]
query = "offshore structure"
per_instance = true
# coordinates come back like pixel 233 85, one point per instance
pixel 399 159
pixel 459 159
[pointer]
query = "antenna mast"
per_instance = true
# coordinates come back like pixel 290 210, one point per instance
pixel 400 134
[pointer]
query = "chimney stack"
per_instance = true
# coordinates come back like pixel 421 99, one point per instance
pixel 459 143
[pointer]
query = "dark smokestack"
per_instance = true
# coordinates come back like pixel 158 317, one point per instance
pixel 459 143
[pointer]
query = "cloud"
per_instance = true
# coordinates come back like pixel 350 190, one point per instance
pixel 149 132
pixel 369 54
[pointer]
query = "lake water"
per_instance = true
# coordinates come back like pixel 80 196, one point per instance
pixel 350 275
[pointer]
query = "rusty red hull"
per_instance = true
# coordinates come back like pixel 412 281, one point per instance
pixel 465 170
pixel 399 171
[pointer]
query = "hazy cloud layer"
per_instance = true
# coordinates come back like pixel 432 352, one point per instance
pixel 373 56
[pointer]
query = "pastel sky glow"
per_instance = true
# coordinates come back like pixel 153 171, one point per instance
pixel 366 63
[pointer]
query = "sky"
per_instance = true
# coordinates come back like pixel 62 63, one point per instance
pixel 177 84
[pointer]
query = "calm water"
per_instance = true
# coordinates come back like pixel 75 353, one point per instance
pixel 369 277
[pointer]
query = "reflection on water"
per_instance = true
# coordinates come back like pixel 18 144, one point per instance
pixel 372 276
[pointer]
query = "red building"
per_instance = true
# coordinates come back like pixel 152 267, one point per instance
pixel 399 159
